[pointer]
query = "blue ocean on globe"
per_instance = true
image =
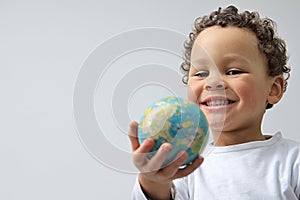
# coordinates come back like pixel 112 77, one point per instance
pixel 177 121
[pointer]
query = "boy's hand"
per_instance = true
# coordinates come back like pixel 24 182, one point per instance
pixel 154 179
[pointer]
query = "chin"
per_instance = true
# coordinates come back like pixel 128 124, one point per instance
pixel 216 119
pixel 216 127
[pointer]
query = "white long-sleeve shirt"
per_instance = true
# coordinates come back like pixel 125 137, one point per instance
pixel 255 170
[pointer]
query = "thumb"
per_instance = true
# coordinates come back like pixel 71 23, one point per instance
pixel 132 133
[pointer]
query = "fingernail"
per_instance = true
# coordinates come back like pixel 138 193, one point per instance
pixel 167 148
pixel 146 141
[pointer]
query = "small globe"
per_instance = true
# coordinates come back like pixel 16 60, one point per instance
pixel 177 121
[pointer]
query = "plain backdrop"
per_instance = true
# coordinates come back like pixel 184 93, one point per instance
pixel 43 45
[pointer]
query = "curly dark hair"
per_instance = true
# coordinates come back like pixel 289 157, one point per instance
pixel 273 47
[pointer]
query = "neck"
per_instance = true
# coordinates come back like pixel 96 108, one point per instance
pixel 225 138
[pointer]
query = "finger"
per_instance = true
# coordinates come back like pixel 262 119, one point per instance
pixel 189 168
pixel 160 156
pixel 146 146
pixel 133 135
pixel 140 156
pixel 171 169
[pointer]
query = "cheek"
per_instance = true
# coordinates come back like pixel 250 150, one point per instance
pixel 252 94
pixel 245 91
pixel 194 90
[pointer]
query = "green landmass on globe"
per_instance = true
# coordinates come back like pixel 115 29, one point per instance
pixel 177 121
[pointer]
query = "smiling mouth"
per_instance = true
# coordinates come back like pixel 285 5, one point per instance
pixel 217 103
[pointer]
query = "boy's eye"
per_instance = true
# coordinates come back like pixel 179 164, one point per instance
pixel 202 74
pixel 234 72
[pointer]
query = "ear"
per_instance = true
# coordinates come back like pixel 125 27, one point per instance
pixel 276 89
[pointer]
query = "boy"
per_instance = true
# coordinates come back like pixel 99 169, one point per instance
pixel 234 66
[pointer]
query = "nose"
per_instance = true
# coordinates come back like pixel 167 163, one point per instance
pixel 214 83
pixel 217 87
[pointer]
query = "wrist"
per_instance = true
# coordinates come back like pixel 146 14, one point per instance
pixel 155 189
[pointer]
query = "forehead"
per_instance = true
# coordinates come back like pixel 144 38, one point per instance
pixel 230 36
pixel 215 43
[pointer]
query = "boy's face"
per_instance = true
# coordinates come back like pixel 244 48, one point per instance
pixel 228 79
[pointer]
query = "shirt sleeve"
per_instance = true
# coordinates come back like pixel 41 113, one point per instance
pixel 137 193
pixel 179 191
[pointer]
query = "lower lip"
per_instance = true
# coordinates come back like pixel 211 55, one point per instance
pixel 216 108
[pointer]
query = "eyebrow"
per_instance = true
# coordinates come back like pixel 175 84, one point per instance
pixel 238 57
pixel 201 64
pixel 202 61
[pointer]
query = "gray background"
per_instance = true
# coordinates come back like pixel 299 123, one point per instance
pixel 43 45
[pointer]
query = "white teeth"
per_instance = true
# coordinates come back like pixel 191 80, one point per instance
pixel 218 102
